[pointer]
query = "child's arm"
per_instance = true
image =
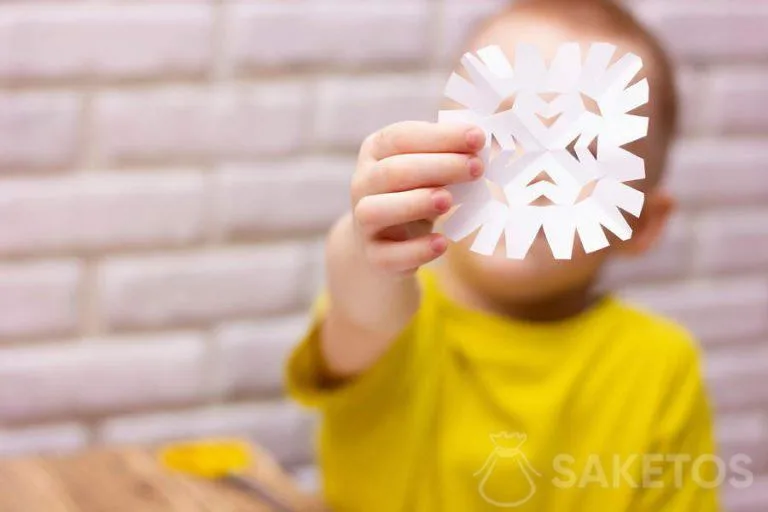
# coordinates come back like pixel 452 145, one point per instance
pixel 374 252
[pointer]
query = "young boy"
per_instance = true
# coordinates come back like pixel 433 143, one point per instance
pixel 486 382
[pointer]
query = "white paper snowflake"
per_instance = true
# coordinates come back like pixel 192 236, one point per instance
pixel 543 120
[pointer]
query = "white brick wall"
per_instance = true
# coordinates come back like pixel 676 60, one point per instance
pixel 167 291
pixel 733 240
pixel 716 310
pixel 735 94
pixel 98 376
pixel 730 171
pixel 59 438
pixel 312 33
pixel 745 433
pixel 708 32
pixel 748 500
pixel 292 196
pixel 251 356
pixel 86 40
pixel 168 170
pixel 200 124
pixel 737 377
pixel 101 211
pixel 39 130
pixel 39 299
pixel 351 108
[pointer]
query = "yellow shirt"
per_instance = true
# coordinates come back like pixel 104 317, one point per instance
pixel 467 411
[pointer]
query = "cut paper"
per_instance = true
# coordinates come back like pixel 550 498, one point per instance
pixel 542 126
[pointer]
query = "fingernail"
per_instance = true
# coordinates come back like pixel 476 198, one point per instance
pixel 439 244
pixel 442 201
pixel 475 138
pixel 475 167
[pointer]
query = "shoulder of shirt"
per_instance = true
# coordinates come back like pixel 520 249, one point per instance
pixel 652 336
pixel 660 335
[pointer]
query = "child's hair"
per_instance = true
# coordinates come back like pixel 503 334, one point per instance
pixel 606 18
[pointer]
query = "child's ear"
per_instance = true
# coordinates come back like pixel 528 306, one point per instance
pixel 648 229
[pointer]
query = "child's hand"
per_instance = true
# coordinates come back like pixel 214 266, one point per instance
pixel 397 191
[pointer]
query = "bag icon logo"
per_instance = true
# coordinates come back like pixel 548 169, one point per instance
pixel 507 446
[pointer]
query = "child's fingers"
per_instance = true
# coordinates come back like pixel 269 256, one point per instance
pixel 406 172
pixel 407 256
pixel 378 212
pixel 421 137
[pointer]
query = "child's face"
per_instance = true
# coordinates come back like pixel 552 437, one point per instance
pixel 540 277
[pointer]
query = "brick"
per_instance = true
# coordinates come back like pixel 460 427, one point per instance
pixel 737 100
pixel 38 130
pixel 695 117
pixel 47 439
pixel 280 427
pixel 708 31
pixel 100 211
pixel 39 299
pixel 95 377
pixel 732 240
pixel 670 259
pixel 193 124
pixel 317 268
pixel 744 434
pixel 169 290
pixel 298 196
pixel 716 311
pixel 251 356
pixel 712 172
pixel 286 34
pixel 115 42
pixel 460 21
pixel 352 108
pixel 752 499
pixel 737 378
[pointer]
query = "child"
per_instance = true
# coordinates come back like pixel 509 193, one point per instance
pixel 486 382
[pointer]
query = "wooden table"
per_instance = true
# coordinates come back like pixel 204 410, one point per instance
pixel 131 480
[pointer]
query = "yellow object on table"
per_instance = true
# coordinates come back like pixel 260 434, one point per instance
pixel 208 459
pixel 226 461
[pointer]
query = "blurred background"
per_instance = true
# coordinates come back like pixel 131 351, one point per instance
pixel 168 170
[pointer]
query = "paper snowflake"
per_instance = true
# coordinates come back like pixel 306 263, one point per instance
pixel 541 124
